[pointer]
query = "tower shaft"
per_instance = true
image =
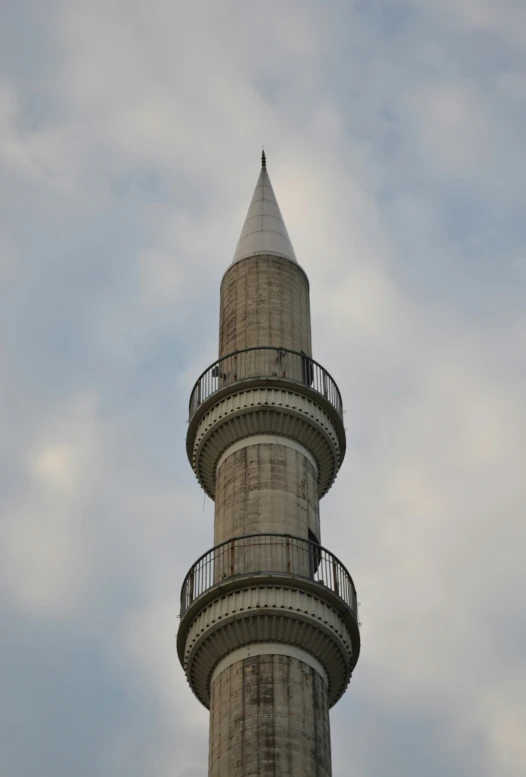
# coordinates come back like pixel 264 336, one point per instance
pixel 256 723
pixel 269 715
pixel 268 635
pixel 264 301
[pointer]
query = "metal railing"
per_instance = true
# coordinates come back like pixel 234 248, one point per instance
pixel 271 553
pixel 265 362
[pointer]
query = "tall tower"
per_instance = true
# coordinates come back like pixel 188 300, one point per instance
pixel 268 635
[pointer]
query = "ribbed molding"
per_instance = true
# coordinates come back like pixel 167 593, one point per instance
pixel 210 630
pixel 265 410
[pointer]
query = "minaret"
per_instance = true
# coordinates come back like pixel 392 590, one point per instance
pixel 269 634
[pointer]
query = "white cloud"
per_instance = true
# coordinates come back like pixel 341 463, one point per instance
pixel 56 465
pixel 42 533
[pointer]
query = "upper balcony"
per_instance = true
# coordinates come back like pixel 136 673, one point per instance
pixel 261 391
pixel 278 365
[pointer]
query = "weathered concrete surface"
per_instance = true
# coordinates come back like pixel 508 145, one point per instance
pixel 264 301
pixel 269 717
pixel 266 488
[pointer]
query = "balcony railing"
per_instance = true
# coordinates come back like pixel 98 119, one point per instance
pixel 254 554
pixel 265 362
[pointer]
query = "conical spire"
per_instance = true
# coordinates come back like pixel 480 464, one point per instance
pixel 264 231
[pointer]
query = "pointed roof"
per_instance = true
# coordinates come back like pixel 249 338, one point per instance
pixel 264 231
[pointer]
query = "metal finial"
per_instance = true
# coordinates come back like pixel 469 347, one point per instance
pixel 263 159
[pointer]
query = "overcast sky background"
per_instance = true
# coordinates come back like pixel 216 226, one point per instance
pixel 130 135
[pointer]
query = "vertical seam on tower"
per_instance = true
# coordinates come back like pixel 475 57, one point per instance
pixel 272 664
pixel 293 322
pixel 258 454
pixel 258 707
pixel 256 284
pixel 271 470
pixel 245 511
pixel 243 713
pixel 328 737
pixel 244 286
pixel 289 663
pixel 230 727
pixel 269 307
pixel 315 721
pixel 280 306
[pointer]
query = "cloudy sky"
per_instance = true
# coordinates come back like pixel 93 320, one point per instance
pixel 130 134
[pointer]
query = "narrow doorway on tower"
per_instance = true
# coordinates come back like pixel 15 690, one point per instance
pixel 314 554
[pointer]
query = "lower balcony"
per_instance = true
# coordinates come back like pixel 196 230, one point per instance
pixel 268 555
pixel 268 588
